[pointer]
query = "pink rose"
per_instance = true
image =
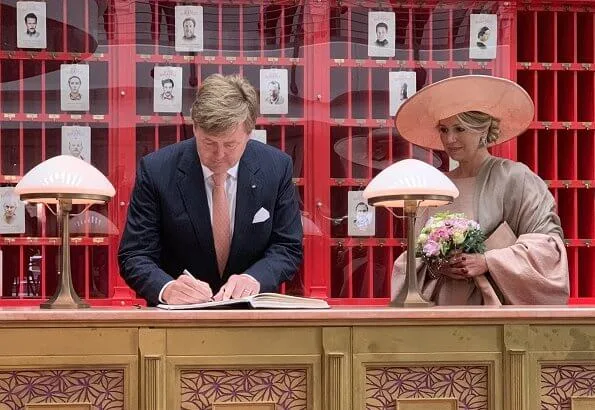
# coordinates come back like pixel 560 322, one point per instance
pixel 431 248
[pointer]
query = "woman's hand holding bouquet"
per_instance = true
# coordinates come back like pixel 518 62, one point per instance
pixel 452 245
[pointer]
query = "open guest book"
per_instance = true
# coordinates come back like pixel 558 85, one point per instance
pixel 260 301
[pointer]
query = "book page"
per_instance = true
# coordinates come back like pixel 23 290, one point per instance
pixel 262 300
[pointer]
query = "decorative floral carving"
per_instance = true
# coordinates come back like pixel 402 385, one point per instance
pixel 103 388
pixel 560 382
pixel 468 384
pixel 285 387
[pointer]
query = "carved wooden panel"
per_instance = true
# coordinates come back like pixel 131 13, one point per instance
pixel 563 384
pixel 386 386
pixel 286 388
pixel 425 404
pixel 245 406
pixel 582 403
pixel 59 406
pixel 21 388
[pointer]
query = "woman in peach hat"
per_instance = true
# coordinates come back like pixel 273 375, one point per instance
pixel 526 261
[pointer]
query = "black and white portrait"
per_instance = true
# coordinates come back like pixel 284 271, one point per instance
pixel 381 34
pixel 273 91
pixel 167 89
pixel 12 218
pixel 401 86
pixel 76 141
pixel 189 28
pixel 31 24
pixel 259 135
pixel 361 217
pixel 483 38
pixel 74 87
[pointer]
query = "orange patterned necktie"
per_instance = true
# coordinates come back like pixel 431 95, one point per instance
pixel 221 223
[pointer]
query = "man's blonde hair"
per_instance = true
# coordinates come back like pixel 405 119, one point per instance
pixel 223 103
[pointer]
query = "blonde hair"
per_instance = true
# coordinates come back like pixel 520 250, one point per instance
pixel 223 103
pixel 480 122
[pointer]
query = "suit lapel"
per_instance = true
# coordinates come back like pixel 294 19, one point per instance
pixel 192 190
pixel 248 192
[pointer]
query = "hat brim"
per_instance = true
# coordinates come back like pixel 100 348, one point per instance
pixel 417 118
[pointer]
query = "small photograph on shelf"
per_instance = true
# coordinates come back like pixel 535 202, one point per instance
pixel 483 39
pixel 361 217
pixel 381 34
pixel 401 86
pixel 74 87
pixel 189 28
pixel 259 135
pixel 31 25
pixel 273 91
pixel 13 212
pixel 167 89
pixel 76 141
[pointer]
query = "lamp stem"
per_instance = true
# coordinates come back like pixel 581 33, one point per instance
pixel 413 296
pixel 65 296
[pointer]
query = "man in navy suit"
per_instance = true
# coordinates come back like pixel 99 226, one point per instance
pixel 219 205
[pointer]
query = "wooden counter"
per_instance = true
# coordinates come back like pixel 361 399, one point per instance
pixel 508 358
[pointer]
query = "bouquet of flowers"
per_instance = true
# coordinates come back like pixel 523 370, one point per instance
pixel 447 233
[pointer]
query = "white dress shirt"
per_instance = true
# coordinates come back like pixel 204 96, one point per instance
pixel 231 188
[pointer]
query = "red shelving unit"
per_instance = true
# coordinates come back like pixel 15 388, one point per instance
pixel 337 94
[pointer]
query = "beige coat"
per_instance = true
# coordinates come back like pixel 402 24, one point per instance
pixel 529 269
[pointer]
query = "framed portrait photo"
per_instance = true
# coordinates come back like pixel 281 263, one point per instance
pixel 74 87
pixel 259 135
pixel 361 217
pixel 189 28
pixel 381 34
pixel 31 24
pixel 273 91
pixel 401 86
pixel 76 141
pixel 483 38
pixel 12 218
pixel 167 89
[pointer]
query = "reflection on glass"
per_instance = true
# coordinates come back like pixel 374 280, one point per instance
pixel 93 223
pixel 378 157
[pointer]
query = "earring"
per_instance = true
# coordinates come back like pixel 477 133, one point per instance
pixel 483 141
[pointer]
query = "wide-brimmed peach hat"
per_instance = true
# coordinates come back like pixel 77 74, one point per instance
pixel 417 118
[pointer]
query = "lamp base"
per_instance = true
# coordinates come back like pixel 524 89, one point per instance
pixel 64 300
pixel 413 300
pixel 50 305
pixel 412 303
pixel 65 296
pixel 411 296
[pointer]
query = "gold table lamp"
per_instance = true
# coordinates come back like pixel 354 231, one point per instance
pixel 410 184
pixel 65 181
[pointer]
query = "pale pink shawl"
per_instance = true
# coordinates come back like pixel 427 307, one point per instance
pixel 532 270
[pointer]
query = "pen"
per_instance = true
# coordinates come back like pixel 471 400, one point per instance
pixel 185 272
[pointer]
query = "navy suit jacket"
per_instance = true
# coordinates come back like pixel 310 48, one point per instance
pixel 169 225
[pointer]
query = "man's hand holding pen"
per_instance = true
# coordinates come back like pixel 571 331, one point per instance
pixel 186 289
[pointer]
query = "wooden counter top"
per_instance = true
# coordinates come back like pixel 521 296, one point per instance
pixel 337 316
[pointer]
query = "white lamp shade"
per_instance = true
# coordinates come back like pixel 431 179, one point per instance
pixel 65 176
pixel 410 179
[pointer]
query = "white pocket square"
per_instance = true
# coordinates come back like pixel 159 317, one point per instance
pixel 261 216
